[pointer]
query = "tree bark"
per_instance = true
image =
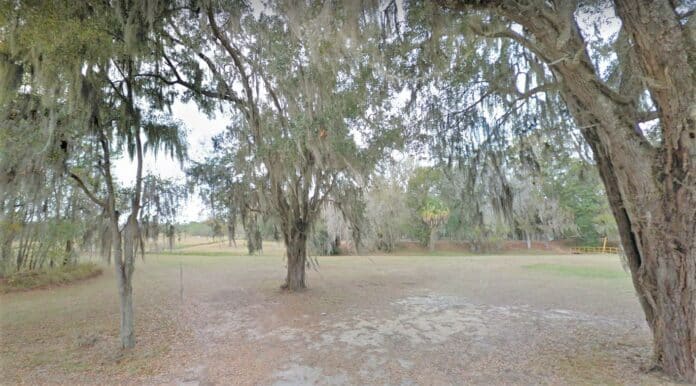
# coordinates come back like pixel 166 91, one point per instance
pixel 661 256
pixel 253 235
pixel 432 239
pixel 124 258
pixel 124 291
pixel 230 233
pixel 296 249
pixel 651 189
pixel 8 235
pixel 651 193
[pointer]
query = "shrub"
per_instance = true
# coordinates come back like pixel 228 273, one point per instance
pixel 66 274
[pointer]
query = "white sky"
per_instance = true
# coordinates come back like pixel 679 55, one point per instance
pixel 200 130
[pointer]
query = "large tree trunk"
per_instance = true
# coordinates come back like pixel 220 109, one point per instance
pixel 651 193
pixel 659 244
pixel 668 283
pixel 651 188
pixel 296 250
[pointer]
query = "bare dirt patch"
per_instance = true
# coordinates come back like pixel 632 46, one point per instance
pixel 379 320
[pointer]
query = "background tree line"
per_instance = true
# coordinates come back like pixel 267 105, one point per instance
pixel 510 101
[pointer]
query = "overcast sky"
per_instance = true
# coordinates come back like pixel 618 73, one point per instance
pixel 200 130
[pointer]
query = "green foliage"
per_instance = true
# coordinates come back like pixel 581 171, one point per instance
pixel 579 189
pixel 48 277
pixel 422 193
pixel 196 228
pixel 215 227
pixel 387 216
pixel 577 271
pixel 85 99
pixel 321 242
pixel 314 93
pixel 434 211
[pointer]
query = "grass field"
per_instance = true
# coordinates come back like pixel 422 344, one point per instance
pixel 209 314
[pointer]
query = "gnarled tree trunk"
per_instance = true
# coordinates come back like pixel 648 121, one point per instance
pixel 652 194
pixel 658 238
pixel 296 250
pixel 651 188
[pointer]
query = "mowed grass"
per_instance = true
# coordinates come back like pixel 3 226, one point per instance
pixel 69 334
pixel 577 271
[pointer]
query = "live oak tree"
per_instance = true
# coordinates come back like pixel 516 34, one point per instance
pixel 303 90
pixel 231 187
pixel 649 172
pixel 162 199
pixel 305 86
pixel 82 89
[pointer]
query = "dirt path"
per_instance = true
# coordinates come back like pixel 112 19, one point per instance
pixel 402 322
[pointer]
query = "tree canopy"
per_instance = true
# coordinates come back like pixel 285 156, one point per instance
pixel 529 120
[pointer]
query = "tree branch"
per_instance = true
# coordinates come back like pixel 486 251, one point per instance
pixel 686 14
pixel 645 116
pixel 546 87
pixel 234 54
pixel 85 189
pixel 519 39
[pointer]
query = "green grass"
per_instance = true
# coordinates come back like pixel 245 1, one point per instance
pixel 577 271
pixel 27 280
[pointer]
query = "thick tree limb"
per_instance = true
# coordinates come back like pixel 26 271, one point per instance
pixel 546 87
pixel 85 189
pixel 687 14
pixel 645 116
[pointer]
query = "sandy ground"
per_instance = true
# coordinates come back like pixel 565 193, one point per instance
pixel 396 320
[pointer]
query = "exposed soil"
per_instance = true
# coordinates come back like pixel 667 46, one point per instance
pixel 377 320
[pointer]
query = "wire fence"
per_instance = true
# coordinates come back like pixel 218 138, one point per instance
pixel 611 250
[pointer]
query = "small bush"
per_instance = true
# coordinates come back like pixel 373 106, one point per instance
pixel 27 280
